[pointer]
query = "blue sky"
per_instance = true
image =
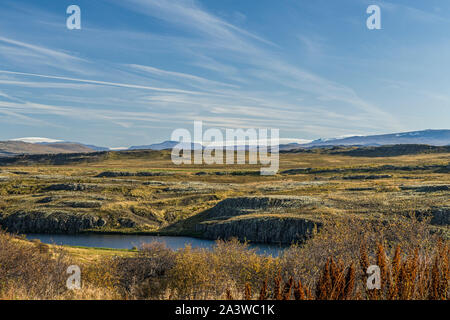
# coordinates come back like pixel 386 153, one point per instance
pixel 138 69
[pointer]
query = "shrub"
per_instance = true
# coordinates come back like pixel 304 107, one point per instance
pixel 342 239
pixel 30 269
pixel 208 274
pixel 145 275
pixel 413 277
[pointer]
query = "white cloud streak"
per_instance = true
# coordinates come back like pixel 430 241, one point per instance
pixel 103 83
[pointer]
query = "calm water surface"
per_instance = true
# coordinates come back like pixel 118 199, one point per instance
pixel 129 241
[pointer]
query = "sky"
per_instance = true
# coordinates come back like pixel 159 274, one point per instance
pixel 139 69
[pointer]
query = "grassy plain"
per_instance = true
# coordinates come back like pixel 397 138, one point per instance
pixel 143 192
pixel 390 211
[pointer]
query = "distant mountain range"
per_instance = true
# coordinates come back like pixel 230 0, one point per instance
pixel 167 145
pixel 36 145
pixel 74 144
pixel 428 137
pixel 11 148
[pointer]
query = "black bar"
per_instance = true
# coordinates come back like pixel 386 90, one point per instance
pixel 196 309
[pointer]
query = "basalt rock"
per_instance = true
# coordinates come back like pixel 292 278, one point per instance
pixel 245 205
pixel 440 216
pixel 82 204
pixel 427 188
pixel 269 219
pixel 262 230
pixel 49 222
pixel 367 177
pixel 127 223
pixel 114 174
pixel 70 187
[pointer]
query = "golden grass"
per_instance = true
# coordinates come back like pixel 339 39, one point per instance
pixel 172 203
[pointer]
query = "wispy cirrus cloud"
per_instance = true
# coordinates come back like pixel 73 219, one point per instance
pixel 262 60
pixel 31 56
pixel 413 13
pixel 189 14
pixel 49 53
pixel 184 61
pixel 97 82
pixel 179 75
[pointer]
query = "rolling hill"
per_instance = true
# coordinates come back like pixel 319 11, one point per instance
pixel 12 148
pixel 424 137
pixel 436 138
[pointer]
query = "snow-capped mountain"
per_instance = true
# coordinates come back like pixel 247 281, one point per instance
pixel 428 137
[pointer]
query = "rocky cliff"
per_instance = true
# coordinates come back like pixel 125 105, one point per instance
pixel 441 216
pixel 263 230
pixel 45 222
pixel 270 219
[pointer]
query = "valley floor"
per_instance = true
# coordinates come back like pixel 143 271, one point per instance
pixel 142 192
pixel 341 213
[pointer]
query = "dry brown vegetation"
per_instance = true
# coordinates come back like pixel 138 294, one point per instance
pixel 397 207
pixel 33 270
pixel 143 191
pixel 414 264
pixel 413 277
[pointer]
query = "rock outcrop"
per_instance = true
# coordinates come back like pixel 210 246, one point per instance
pixel 367 177
pixel 440 216
pixel 266 229
pixel 71 187
pixel 45 222
pixel 267 219
pixel 427 188
pixel 114 174
pixel 246 205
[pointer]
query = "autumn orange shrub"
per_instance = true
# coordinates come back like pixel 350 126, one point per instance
pixel 411 277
